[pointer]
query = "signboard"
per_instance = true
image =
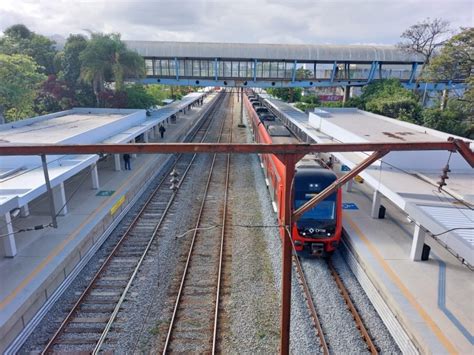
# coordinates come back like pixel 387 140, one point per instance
pixel 349 206
pixel 330 98
pixel 105 193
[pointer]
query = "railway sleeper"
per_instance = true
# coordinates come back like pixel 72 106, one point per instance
pixel 89 308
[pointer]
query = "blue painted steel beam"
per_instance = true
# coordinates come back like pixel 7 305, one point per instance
pixel 215 69
pixel 373 68
pixel 255 70
pixel 293 73
pixel 333 74
pixel 176 66
pixel 414 66
pixel 287 84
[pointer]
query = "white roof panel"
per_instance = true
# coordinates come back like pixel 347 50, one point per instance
pixel 302 52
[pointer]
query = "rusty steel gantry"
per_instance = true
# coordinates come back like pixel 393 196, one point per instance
pixel 288 154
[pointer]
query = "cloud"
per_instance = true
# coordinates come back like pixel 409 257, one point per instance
pixel 254 21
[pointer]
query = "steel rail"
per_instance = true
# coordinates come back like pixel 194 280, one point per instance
pixel 190 252
pixel 85 293
pixel 155 231
pixel 355 314
pixel 309 300
pixel 221 252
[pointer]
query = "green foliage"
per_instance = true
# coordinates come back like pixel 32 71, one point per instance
pixel 158 92
pixel 390 98
pixel 71 64
pixel 107 58
pixel 302 74
pixel 19 40
pixel 305 107
pixel 19 83
pixel 456 59
pixel 332 104
pixel 286 94
pixel 138 97
pixel 450 120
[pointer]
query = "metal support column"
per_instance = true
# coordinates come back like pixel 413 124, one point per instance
pixel 290 161
pixel 241 124
pixel 52 209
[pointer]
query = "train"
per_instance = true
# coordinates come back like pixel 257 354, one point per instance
pixel 317 233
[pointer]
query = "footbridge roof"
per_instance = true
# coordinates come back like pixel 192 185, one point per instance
pixel 300 52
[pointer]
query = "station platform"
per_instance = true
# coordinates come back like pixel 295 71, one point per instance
pixel 426 304
pixel 48 257
pixel 431 300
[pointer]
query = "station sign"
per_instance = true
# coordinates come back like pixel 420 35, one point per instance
pixel 105 193
pixel 349 206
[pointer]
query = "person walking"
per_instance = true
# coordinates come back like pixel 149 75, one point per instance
pixel 126 159
pixel 162 130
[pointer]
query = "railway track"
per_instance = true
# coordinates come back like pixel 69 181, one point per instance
pixel 193 325
pixel 324 345
pixel 88 323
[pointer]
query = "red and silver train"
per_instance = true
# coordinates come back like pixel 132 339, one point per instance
pixel 318 231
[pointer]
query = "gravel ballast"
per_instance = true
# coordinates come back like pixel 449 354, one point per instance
pixel 251 303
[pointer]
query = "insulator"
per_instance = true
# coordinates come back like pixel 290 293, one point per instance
pixel 174 180
pixel 444 176
pixel 446 169
pixel 441 183
pixel 174 173
pixel 174 187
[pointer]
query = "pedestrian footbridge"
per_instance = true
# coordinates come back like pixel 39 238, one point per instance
pixel 278 65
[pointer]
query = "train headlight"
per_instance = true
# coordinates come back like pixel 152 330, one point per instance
pixel 328 234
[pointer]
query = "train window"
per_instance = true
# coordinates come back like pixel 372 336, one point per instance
pixel 324 210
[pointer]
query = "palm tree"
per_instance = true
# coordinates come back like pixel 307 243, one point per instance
pixel 107 58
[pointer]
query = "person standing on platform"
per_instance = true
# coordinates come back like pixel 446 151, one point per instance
pixel 126 159
pixel 162 130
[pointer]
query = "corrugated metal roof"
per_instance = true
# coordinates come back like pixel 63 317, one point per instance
pixel 450 217
pixel 309 52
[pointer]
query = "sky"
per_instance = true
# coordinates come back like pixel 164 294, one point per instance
pixel 237 21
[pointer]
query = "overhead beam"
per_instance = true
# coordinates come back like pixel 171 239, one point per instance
pixel 465 151
pixel 171 148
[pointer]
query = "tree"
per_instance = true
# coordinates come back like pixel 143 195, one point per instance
pixel 286 94
pixel 107 58
pixel 54 95
pixel 71 64
pixel 19 83
pixel 450 120
pixel 425 37
pixel 389 98
pixel 456 58
pixel 18 39
pixel 302 73
pixel 455 61
pixel 137 97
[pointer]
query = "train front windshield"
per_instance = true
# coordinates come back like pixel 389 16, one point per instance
pixel 325 210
